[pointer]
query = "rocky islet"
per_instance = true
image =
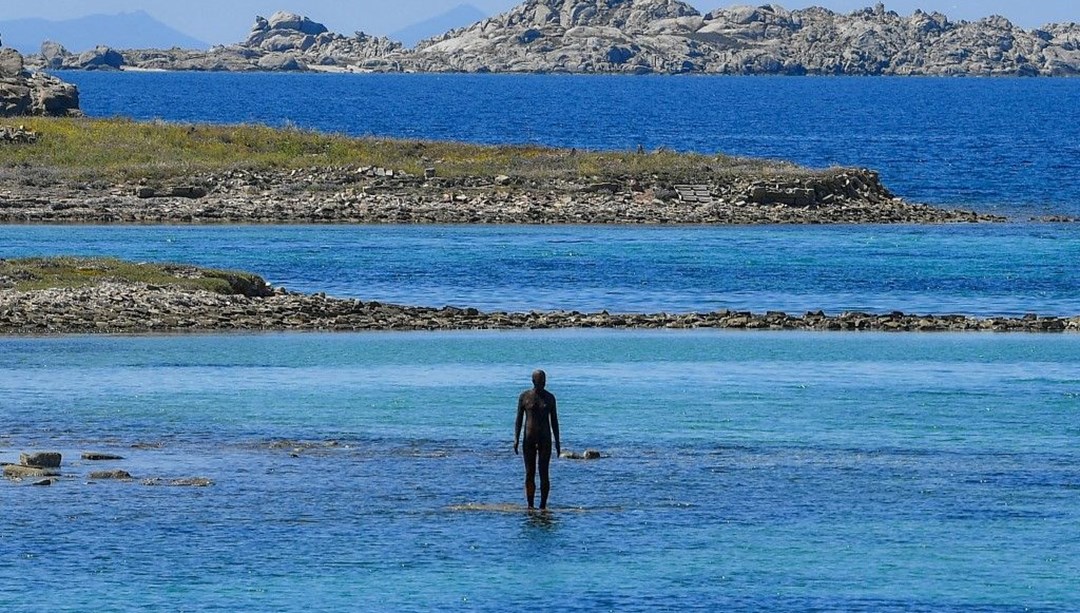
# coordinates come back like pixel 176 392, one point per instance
pixel 378 195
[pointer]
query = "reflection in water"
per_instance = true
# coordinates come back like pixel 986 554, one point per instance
pixel 540 520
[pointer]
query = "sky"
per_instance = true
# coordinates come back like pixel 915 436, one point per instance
pixel 228 21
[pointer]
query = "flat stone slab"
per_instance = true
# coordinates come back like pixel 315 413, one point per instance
pixel 694 193
pixel 17 471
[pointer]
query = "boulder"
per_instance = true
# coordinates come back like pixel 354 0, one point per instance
pixel 11 64
pixel 54 55
pixel 283 20
pixel 52 97
pixel 280 62
pixel 100 58
pixel 41 459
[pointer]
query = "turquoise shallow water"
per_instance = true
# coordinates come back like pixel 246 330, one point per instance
pixel 745 471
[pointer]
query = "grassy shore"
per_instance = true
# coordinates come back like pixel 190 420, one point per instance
pixel 30 274
pixel 125 150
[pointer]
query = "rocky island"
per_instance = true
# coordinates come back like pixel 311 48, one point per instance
pixel 44 296
pixel 637 37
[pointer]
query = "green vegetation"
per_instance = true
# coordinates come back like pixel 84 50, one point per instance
pixel 69 272
pixel 126 150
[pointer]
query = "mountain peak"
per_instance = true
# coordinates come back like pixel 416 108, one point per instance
pixel 134 29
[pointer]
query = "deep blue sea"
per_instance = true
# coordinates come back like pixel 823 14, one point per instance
pixel 743 471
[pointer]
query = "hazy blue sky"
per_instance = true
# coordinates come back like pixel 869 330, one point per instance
pixel 226 21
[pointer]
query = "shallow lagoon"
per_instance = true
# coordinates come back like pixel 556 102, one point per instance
pixel 745 471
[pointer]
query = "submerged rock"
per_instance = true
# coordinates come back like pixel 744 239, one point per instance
pixel 111 475
pixel 91 456
pixel 185 482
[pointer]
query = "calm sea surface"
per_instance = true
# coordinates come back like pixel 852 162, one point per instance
pixel 743 471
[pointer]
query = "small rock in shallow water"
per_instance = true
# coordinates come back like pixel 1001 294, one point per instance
pixel 100 457
pixel 17 471
pixel 41 460
pixel 117 475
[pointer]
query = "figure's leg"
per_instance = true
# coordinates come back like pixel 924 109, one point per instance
pixel 545 480
pixel 530 474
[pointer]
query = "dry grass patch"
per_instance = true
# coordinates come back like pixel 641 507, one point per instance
pixel 126 150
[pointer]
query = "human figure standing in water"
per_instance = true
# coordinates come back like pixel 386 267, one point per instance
pixel 536 411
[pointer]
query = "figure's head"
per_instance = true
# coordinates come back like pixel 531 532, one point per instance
pixel 539 379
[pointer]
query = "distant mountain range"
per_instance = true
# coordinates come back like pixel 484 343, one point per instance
pixel 138 30
pixel 135 30
pixel 458 17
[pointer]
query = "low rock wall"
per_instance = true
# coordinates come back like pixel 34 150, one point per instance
pixel 122 308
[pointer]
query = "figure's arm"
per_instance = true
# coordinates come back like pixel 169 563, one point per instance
pixel 517 422
pixel 555 427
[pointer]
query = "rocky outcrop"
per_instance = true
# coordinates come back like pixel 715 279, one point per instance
pixel 668 36
pixel 573 36
pixel 23 92
pixel 640 36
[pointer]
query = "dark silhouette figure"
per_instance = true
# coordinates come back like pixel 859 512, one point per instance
pixel 536 411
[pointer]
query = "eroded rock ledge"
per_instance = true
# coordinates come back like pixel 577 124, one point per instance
pixel 139 308
pixel 368 195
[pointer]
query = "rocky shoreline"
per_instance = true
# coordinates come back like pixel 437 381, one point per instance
pixel 368 195
pixel 112 307
pixel 635 37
